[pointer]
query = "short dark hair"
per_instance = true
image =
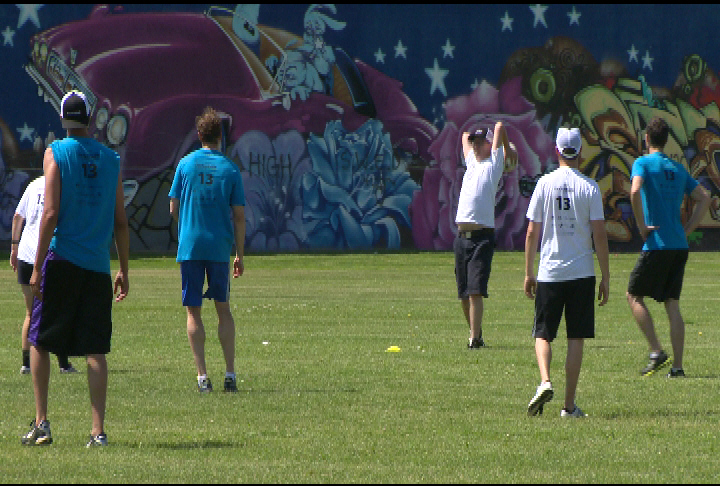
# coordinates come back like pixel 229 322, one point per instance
pixel 209 126
pixel 658 131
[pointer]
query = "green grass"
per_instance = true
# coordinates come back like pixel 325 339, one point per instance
pixel 324 402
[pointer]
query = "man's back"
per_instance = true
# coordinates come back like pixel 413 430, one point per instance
pixel 207 185
pixel 89 177
pixel 565 202
pixel 665 183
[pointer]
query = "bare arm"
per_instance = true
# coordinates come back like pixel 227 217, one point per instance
pixel 531 241
pixel 49 218
pixel 122 243
pixel 603 255
pixel 15 234
pixel 500 137
pixel 174 207
pixel 637 207
pixel 239 220
pixel 702 203
pixel 466 145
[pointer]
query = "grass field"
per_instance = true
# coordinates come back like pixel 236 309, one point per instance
pixel 322 401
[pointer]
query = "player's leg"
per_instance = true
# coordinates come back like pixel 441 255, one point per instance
pixel 580 323
pixel 25 345
pixel 218 275
pixel 40 367
pixel 193 280
pixel 548 311
pixel 677 331
pixel 475 312
pixel 226 334
pixel 478 275
pixel 97 376
pixel 644 320
pixel 196 336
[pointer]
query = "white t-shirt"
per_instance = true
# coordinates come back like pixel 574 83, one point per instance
pixel 30 207
pixel 565 201
pixel 477 194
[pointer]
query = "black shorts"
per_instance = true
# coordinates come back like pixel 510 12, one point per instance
pixel 658 274
pixel 473 261
pixel 576 297
pixel 74 316
pixel 24 271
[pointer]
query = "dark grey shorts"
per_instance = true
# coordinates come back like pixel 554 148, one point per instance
pixel 74 316
pixel 473 262
pixel 24 272
pixel 576 298
pixel 658 274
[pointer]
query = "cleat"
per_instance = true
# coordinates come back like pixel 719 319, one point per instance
pixel 543 395
pixel 476 343
pixel 676 373
pixel 230 384
pixel 576 413
pixel 99 440
pixel 655 364
pixel 37 435
pixel 204 385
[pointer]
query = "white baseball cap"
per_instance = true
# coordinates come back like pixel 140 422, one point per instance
pixel 569 142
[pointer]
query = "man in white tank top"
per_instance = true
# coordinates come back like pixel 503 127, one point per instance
pixel 567 208
pixel 488 154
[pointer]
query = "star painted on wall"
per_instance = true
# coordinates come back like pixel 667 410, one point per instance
pixel 26 132
pixel 437 76
pixel 474 84
pixel 506 22
pixel 633 54
pixel 400 50
pixel 29 11
pixel 574 16
pixel 448 49
pixel 380 56
pixel 8 34
pixel 538 11
pixel 647 60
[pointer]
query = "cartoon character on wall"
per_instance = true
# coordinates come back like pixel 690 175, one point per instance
pixel 318 52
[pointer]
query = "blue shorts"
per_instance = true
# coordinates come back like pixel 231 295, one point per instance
pixel 193 280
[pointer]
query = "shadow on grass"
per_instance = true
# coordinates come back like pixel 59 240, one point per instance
pixel 182 445
pixel 658 413
pixel 295 390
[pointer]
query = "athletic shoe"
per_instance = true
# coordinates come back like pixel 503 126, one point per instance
pixel 38 434
pixel 543 395
pixel 230 384
pixel 99 440
pixel 69 369
pixel 204 385
pixel 476 343
pixel 655 364
pixel 25 370
pixel 676 373
pixel 577 413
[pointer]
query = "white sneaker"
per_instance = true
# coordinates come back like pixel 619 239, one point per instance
pixel 577 413
pixel 543 395
pixel 25 370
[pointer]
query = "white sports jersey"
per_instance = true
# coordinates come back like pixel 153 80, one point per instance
pixel 30 207
pixel 565 201
pixel 477 194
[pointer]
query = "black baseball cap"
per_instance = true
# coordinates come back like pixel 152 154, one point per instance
pixel 74 110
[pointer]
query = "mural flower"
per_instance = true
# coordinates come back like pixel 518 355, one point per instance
pixel 272 175
pixel 434 207
pixel 357 193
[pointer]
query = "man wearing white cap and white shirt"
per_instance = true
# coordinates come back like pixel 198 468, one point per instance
pixel 488 153
pixel 567 208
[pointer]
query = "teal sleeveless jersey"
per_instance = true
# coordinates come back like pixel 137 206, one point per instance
pixel 86 219
pixel 207 184
pixel 665 183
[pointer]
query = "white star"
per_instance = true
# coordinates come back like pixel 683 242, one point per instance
pixel 633 53
pixel 507 22
pixel 29 11
pixel 574 16
pixel 380 56
pixel 26 132
pixel 448 49
pixel 538 11
pixel 400 50
pixel 437 76
pixel 647 60
pixel 474 85
pixel 8 34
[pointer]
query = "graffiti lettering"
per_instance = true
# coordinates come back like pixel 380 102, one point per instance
pixel 268 165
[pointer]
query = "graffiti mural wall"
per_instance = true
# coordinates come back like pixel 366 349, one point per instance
pixel 346 119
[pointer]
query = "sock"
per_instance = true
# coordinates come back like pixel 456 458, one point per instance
pixel 655 354
pixel 26 357
pixel 229 375
pixel 63 361
pixel 201 378
pixel 675 369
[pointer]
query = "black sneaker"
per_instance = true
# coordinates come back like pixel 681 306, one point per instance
pixel 230 384
pixel 99 440
pixel 38 434
pixel 655 364
pixel 476 343
pixel 204 385
pixel 676 373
